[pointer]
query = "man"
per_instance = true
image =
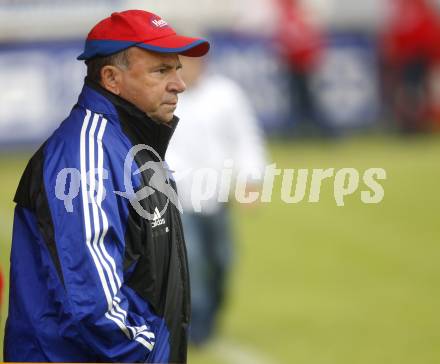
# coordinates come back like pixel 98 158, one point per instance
pixel 101 275
pixel 300 44
pixel 229 136
pixel 410 54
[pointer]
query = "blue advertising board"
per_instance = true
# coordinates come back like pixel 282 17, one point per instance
pixel 345 86
pixel 41 82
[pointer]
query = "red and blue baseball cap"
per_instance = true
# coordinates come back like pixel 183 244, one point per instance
pixel 141 29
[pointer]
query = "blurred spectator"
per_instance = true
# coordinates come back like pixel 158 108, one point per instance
pixel 411 52
pixel 300 43
pixel 218 129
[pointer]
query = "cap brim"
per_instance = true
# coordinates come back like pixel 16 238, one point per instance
pixel 191 47
pixel 186 46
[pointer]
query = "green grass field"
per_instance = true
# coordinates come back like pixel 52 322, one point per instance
pixel 321 284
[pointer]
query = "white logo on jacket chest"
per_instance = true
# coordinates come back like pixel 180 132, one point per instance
pixel 158 220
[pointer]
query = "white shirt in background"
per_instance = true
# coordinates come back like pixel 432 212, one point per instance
pixel 218 127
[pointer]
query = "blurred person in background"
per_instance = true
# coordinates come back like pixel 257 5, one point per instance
pixel 299 41
pixel 218 130
pixel 95 278
pixel 411 53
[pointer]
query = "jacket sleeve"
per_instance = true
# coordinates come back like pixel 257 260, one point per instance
pixel 89 219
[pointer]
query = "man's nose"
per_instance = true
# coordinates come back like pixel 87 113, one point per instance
pixel 177 84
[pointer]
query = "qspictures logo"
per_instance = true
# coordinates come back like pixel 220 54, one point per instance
pixel 291 186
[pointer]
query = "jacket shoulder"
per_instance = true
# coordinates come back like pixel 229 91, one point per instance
pixel 82 127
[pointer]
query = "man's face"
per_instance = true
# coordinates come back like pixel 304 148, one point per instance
pixel 152 82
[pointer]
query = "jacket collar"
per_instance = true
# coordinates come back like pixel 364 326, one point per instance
pixel 134 121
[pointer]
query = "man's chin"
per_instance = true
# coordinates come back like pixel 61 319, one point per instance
pixel 167 119
pixel 170 119
pixel 163 119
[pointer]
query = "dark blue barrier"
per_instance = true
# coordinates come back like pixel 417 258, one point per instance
pixel 345 86
pixel 40 84
pixel 41 81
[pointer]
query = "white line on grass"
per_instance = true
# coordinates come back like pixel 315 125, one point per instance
pixel 231 352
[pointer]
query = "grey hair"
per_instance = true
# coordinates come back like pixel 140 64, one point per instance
pixel 95 65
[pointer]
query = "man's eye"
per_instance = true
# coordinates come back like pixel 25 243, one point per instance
pixel 162 70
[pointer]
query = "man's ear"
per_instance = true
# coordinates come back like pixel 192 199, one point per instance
pixel 111 78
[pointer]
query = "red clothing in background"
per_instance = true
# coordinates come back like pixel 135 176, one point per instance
pixel 410 48
pixel 412 32
pixel 300 41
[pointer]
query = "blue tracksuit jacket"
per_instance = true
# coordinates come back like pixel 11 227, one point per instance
pixel 91 279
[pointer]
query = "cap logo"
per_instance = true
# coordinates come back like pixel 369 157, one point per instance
pixel 159 23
